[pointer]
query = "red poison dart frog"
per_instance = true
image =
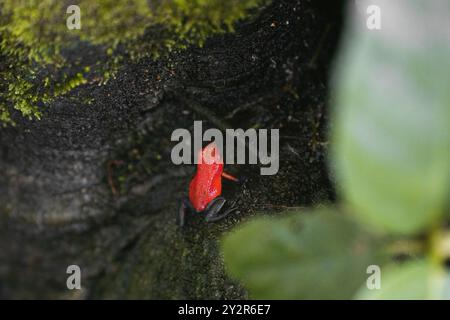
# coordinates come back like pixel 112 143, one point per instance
pixel 205 188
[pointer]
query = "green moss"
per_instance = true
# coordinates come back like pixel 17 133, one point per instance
pixel 39 52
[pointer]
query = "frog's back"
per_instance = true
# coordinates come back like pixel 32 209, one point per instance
pixel 206 185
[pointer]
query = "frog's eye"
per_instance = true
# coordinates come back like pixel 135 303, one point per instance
pixel 211 154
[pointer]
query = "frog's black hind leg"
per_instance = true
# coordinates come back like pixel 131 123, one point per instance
pixel 185 209
pixel 213 210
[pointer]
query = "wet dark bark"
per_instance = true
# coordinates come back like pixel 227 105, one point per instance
pixel 93 184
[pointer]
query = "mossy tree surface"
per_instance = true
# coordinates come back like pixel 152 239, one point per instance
pixel 92 184
pixel 40 54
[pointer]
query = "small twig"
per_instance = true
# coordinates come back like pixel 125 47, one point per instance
pixel 211 116
pixel 273 206
pixel 410 247
pixel 110 165
pixel 312 63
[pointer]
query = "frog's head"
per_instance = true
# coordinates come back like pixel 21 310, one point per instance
pixel 210 154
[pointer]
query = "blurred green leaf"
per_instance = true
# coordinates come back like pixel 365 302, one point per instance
pixel 303 256
pixel 391 136
pixel 416 280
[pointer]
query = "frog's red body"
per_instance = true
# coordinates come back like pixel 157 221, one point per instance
pixel 205 188
pixel 207 182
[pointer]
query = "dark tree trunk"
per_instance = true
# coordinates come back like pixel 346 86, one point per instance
pixel 92 184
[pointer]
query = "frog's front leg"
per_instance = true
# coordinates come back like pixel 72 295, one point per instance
pixel 185 209
pixel 214 208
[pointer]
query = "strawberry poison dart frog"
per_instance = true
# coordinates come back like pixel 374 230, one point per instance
pixel 205 188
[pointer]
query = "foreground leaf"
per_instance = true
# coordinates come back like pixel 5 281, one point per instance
pixel 417 280
pixel 322 255
pixel 391 139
